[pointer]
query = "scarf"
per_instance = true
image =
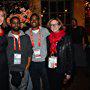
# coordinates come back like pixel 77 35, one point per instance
pixel 1 32
pixel 54 38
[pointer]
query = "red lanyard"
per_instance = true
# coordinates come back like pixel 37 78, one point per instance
pixel 32 39
pixel 19 43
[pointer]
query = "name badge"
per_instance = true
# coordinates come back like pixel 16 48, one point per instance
pixel 52 62
pixel 17 58
pixel 37 53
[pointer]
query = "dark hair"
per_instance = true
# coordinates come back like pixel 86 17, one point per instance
pixel 74 19
pixel 35 14
pixel 14 18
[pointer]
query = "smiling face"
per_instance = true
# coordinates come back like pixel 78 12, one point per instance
pixel 54 25
pixel 34 21
pixel 1 17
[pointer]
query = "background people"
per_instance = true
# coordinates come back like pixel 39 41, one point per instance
pixel 38 36
pixel 79 41
pixel 59 55
pixel 19 52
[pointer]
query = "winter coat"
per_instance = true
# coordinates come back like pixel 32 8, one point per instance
pixel 64 55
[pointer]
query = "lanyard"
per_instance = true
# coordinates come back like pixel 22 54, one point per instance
pixel 32 38
pixel 19 43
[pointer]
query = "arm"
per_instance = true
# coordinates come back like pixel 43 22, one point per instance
pixel 69 65
pixel 29 52
pixel 28 63
pixel 84 39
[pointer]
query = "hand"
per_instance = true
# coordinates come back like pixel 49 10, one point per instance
pixel 67 77
pixel 23 77
pixel 27 67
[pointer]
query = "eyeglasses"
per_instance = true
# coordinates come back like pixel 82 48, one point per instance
pixel 54 24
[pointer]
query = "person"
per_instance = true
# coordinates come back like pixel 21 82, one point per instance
pixel 19 52
pixel 4 73
pixel 59 57
pixel 38 36
pixel 79 40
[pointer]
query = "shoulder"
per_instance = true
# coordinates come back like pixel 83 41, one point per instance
pixel 81 27
pixel 25 36
pixel 66 38
pixel 43 28
pixel 28 31
pixel 45 31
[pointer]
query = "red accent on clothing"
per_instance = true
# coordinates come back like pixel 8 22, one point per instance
pixel 1 32
pixel 32 38
pixel 19 43
pixel 54 38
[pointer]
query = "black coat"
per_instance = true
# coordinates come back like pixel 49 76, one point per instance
pixel 64 55
pixel 3 64
pixel 3 56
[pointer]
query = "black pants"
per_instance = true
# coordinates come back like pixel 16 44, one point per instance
pixel 4 81
pixel 55 79
pixel 37 72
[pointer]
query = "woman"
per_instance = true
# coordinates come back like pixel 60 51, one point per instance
pixel 59 55
pixel 3 56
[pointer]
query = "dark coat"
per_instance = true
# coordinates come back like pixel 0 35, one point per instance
pixel 3 56
pixel 64 55
pixel 4 76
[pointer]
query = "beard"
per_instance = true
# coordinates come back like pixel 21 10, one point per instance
pixel 16 29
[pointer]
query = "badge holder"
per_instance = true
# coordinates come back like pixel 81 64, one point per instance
pixel 17 58
pixel 52 62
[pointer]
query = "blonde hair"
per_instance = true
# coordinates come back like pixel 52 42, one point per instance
pixel 57 19
pixel 4 14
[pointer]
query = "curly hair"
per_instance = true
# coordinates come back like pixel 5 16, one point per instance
pixel 35 14
pixel 11 19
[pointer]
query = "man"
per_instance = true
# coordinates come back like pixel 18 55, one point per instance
pixel 19 52
pixel 38 36
pixel 79 41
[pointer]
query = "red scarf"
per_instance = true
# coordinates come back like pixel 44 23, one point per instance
pixel 54 38
pixel 1 32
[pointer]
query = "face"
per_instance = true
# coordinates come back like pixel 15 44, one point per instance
pixel 1 17
pixel 54 25
pixel 34 21
pixel 15 24
pixel 74 23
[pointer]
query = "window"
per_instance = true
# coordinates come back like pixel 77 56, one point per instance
pixel 63 9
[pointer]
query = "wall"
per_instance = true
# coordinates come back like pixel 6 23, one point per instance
pixel 79 12
pixel 35 5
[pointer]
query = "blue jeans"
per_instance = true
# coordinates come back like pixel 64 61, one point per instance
pixel 25 83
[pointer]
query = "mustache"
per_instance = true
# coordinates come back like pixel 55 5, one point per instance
pixel 15 29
